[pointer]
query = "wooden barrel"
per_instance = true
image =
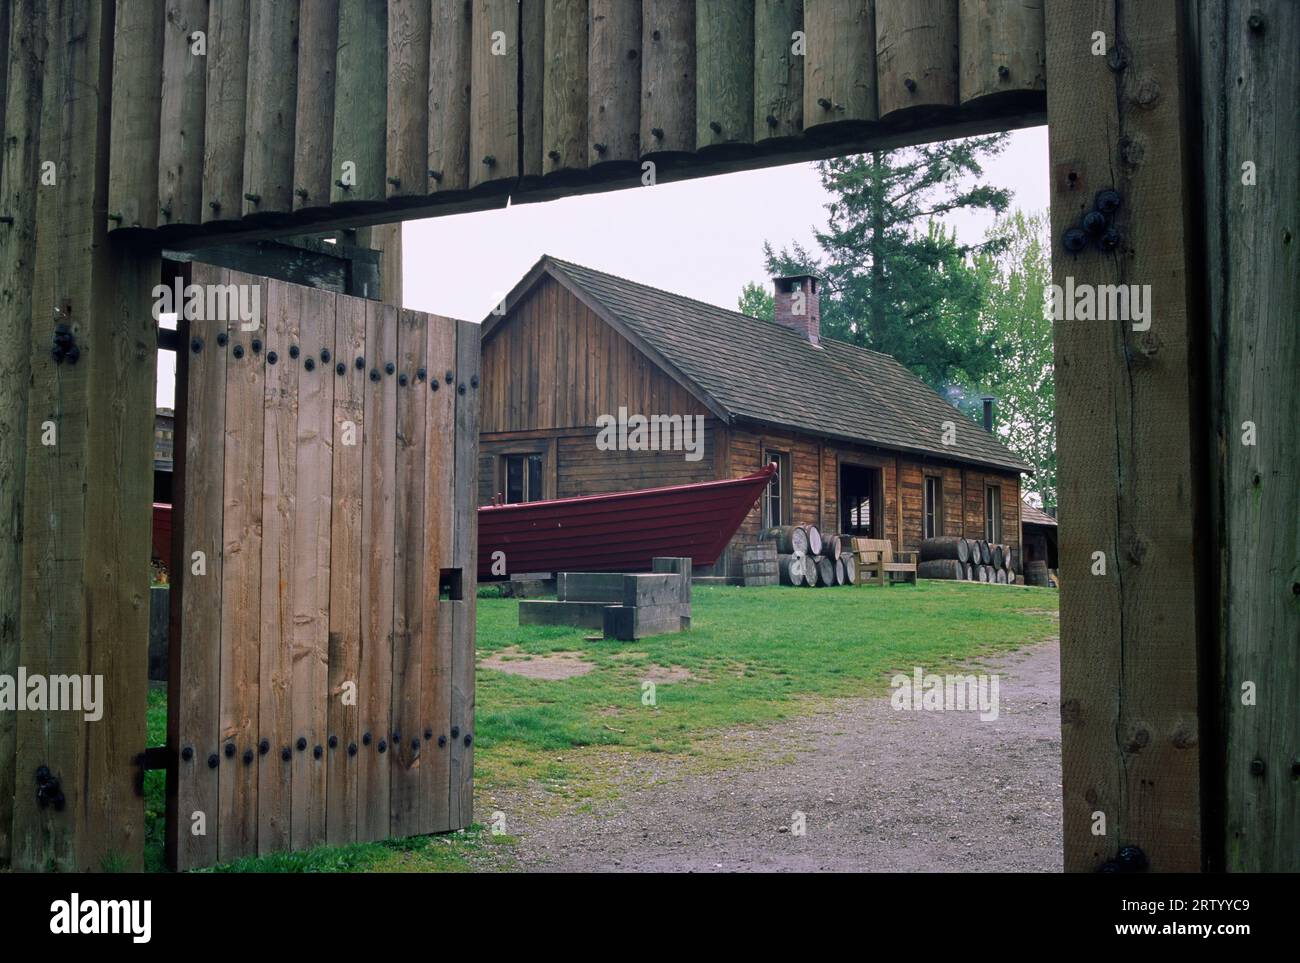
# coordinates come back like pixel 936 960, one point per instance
pixel 815 543
pixel 1036 572
pixel 790 539
pixel 945 547
pixel 809 571
pixel 999 557
pixel 760 564
pixel 1000 574
pixel 986 553
pixel 825 571
pixel 982 573
pixel 942 568
pixel 833 546
pixel 840 577
pixel 790 569
pixel 970 572
pixel 850 568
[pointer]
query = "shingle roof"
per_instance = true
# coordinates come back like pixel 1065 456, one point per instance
pixel 1035 516
pixel 760 371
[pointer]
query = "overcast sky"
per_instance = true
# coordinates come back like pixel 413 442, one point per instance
pixel 702 238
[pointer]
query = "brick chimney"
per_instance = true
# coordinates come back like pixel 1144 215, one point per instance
pixel 798 304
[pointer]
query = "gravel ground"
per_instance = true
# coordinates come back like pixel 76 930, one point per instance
pixel 880 789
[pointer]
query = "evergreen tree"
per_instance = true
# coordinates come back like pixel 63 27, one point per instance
pixel 893 279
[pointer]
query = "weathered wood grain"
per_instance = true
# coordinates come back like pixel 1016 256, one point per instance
pixel 137 96
pixel 614 82
pixel 226 90
pixel 1123 414
pixel 86 503
pixel 667 76
pixel 408 753
pixel 840 68
pixel 360 102
pixel 311 564
pixel 21 122
pixel 449 66
pixel 272 105
pixel 724 73
pixel 532 73
pixel 1003 48
pixel 494 94
pixel 409 24
pixel 564 97
pixel 1249 81
pixel 345 570
pixel 377 539
pixel 439 616
pixel 278 693
pixel 184 99
pixel 778 69
pixel 464 520
pixel 916 54
pixel 313 139
pixel 195 644
pixel 241 589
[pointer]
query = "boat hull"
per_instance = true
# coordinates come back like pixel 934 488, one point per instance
pixel 618 532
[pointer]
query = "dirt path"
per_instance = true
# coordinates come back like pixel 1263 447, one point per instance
pixel 880 789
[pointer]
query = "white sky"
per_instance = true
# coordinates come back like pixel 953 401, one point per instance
pixel 702 238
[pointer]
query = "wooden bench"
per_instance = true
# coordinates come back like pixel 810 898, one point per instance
pixel 876 562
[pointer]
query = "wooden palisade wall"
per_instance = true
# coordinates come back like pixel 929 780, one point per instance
pixel 349 112
pixel 317 676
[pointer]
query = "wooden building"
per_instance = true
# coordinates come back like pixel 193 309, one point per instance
pixel 863 446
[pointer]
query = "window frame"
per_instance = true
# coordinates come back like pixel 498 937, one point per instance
pixel 932 508
pixel 503 476
pixel 993 513
pixel 781 480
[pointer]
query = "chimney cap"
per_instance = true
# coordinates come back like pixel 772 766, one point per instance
pixel 796 277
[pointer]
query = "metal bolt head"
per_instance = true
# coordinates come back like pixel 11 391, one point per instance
pixel 293 351
pixel 230 750
pixel 333 742
pixel 310 364
pixel 187 753
pixel 428 734
pixel 213 760
pixel 421 374
pixel 256 345
pixel 264 747
pixel 237 351
pixel 455 732
pixel 383 745
pixel 402 379
pixel 248 757
pixel 325 355
pixel 374 374
pixel 222 339
pixel 365 739
pixel 317 752
pixel 469 739
pixel 286 754
pixel 352 748
pixel 340 368
pixel 301 743
pixel 473 381
pixel 42 774
pixel 1131 859
pixel 910 84
pixel 360 364
pixel 389 367
pixel 272 357
pixel 442 742
pixel 1094 222
pixel 1109 239
pixel 450 376
pixel 415 744
pixel 1074 240
pixel 1257 767
pixel 196 345
pixel 1107 201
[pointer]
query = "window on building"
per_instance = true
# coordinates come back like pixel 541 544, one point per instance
pixel 776 507
pixel 993 513
pixel 933 519
pixel 523 478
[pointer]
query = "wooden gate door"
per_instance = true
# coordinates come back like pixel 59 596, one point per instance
pixel 322 678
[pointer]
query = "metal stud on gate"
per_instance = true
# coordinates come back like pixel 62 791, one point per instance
pixel 213 760
pixel 383 745
pixel 325 355
pixel 442 742
pixel 248 757
pixel 374 374
pixel 187 753
pixel 455 732
pixel 256 345
pixel 222 338
pixel 230 750
pixel 389 367
pixel 340 368
pixel 352 748
pixel 272 357
pixel 310 364
pixel 237 351
pixel 317 752
pixel 286 754
pixel 360 363
pixel 302 743
pixel 333 742
pixel 365 739
pixel 293 351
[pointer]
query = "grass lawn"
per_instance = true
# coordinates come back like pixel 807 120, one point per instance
pixel 753 656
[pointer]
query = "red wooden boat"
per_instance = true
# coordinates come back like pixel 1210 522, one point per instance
pixel 618 532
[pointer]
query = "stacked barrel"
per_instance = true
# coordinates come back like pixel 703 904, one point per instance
pixel 959 559
pixel 806 557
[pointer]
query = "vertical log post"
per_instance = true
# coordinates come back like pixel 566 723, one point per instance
pixel 494 95
pixel 667 77
pixel 614 82
pixel 448 149
pixel 1002 49
pixel 778 69
pixel 86 515
pixel 227 97
pixel 916 54
pixel 564 97
pixel 1128 596
pixel 1249 83
pixel 272 103
pixel 360 103
pixel 313 139
pixel 408 97
pixel 724 74
pixel 137 99
pixel 184 92
pixel 18 179
pixel 840 71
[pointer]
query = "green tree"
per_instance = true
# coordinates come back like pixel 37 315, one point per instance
pixel 1016 272
pixel 893 279
pixel 757 302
